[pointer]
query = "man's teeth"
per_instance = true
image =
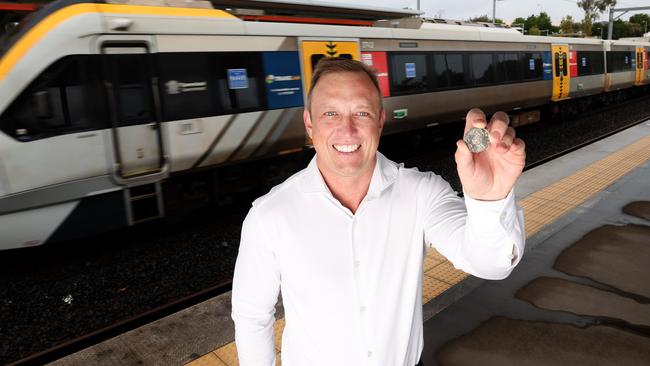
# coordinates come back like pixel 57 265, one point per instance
pixel 346 148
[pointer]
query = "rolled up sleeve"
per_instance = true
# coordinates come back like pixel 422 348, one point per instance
pixel 255 289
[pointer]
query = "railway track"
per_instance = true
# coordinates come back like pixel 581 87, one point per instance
pixel 132 322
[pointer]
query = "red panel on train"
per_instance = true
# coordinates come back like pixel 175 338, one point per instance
pixel 573 64
pixel 377 60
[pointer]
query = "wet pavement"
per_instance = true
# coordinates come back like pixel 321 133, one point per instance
pixel 580 296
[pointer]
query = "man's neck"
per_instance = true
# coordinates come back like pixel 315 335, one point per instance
pixel 349 191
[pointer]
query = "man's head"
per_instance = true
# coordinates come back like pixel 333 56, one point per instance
pixel 344 117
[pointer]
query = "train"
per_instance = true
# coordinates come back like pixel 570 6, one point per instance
pixel 104 103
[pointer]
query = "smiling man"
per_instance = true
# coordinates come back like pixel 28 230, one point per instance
pixel 345 238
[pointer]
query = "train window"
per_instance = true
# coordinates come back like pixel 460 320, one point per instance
pixel 440 75
pixel 508 68
pixel 408 73
pixel 447 70
pixel 482 67
pixel 67 97
pixel 531 63
pixel 205 84
pixel 597 59
pixel 131 78
pixel 619 61
pixel 455 69
pixel 590 63
pixel 247 94
pixel 187 86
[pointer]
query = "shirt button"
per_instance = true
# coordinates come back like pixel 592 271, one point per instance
pixel 363 308
pixel 357 264
pixel 503 217
pixel 369 353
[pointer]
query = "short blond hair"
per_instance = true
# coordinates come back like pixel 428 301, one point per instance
pixel 331 65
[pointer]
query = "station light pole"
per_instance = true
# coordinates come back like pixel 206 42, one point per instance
pixel 494 11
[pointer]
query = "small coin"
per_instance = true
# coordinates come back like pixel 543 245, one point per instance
pixel 477 139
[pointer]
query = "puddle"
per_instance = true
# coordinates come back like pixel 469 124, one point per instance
pixel 504 342
pixel 618 256
pixel 561 295
pixel 639 209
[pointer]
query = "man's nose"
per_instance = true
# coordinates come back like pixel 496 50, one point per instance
pixel 348 125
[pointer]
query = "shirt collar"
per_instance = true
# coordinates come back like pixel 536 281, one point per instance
pixel 384 174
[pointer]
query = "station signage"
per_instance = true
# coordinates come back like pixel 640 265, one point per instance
pixel 237 79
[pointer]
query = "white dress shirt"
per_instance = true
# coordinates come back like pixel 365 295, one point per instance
pixel 352 283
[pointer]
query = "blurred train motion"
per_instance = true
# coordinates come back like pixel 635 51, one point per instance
pixel 108 109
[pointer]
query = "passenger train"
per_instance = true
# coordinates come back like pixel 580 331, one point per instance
pixel 103 103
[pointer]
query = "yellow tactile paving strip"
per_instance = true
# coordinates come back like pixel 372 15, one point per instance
pixel 540 209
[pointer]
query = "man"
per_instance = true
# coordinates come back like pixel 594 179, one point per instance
pixel 344 239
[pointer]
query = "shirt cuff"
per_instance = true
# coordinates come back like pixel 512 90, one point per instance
pixel 485 216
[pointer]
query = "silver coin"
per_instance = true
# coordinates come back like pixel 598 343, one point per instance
pixel 477 139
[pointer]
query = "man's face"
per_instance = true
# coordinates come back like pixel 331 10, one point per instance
pixel 345 123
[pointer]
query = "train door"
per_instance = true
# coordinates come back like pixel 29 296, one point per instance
pixel 638 80
pixel 313 50
pixel 561 75
pixel 134 110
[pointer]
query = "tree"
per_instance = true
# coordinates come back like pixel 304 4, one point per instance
pixel 568 26
pixel 593 9
pixel 544 21
pixel 534 31
pixel 641 19
pixel 485 19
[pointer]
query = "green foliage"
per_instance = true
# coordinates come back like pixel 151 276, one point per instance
pixel 642 20
pixel 593 9
pixel 485 19
pixel 537 23
pixel 568 26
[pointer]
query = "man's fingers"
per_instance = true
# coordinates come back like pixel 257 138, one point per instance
pixel 464 159
pixel 498 126
pixel 509 137
pixel 475 118
pixel 518 146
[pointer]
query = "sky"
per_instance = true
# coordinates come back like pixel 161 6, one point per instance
pixel 505 9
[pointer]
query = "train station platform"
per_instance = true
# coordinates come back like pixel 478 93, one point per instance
pixel 579 296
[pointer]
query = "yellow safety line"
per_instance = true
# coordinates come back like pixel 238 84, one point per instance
pixel 35 34
pixel 540 209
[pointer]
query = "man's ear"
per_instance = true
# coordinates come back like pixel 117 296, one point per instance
pixel 306 117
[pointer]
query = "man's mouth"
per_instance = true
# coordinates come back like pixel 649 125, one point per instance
pixel 347 148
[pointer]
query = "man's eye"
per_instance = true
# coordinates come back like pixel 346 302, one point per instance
pixel 363 114
pixel 329 114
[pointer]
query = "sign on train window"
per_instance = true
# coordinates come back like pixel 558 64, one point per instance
pixel 410 69
pixel 237 79
pixel 282 79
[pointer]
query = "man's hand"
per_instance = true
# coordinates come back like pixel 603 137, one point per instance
pixel 490 174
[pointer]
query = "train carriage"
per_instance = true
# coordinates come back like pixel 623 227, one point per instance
pixel 103 105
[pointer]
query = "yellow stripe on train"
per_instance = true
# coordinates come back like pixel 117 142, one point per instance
pixel 59 16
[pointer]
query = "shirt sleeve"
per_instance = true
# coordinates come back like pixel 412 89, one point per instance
pixel 255 289
pixel 483 238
